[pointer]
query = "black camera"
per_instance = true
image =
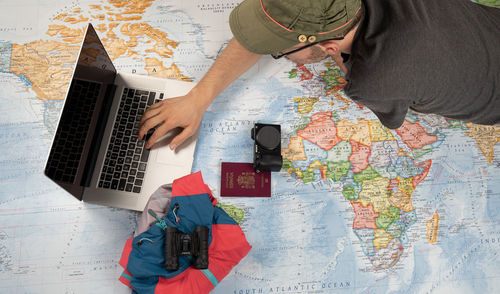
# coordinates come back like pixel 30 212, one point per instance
pixel 194 244
pixel 267 147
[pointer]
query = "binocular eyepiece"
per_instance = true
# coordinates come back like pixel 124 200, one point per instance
pixel 194 244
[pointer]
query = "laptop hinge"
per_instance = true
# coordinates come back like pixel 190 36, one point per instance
pixel 98 135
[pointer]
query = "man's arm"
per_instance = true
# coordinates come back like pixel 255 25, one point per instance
pixel 187 111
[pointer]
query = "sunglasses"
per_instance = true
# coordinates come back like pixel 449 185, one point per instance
pixel 279 55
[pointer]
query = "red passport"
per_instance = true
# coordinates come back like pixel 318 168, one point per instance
pixel 241 180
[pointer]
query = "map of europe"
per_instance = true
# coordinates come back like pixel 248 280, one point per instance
pixel 357 207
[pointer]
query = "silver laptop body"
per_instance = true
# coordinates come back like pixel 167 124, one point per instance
pixel 95 154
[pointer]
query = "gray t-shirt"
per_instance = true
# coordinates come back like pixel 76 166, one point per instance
pixel 434 56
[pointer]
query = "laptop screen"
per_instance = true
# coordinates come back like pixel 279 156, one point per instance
pixel 81 116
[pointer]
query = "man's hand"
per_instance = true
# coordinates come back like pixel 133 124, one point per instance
pixel 187 111
pixel 169 114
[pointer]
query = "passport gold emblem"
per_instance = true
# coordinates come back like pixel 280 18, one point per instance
pixel 247 180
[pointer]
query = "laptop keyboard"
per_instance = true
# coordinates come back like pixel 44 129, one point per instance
pixel 65 156
pixel 126 157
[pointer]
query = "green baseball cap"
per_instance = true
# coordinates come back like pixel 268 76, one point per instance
pixel 271 26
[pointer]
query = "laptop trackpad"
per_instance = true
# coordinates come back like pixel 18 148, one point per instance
pixel 181 156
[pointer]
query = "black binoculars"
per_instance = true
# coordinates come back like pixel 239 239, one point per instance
pixel 194 244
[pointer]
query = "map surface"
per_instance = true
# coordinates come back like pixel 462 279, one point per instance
pixel 357 208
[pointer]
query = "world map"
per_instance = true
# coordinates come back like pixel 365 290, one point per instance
pixel 357 207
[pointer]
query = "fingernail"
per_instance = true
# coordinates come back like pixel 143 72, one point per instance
pixel 173 146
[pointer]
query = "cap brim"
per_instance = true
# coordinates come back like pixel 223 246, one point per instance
pixel 247 23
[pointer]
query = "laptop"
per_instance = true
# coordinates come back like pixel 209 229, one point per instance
pixel 95 154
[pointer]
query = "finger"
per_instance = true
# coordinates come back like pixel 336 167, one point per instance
pixel 160 131
pixel 180 138
pixel 149 114
pixel 145 126
pixel 156 105
pixel 149 124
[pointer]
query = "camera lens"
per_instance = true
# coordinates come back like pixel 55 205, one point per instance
pixel 268 137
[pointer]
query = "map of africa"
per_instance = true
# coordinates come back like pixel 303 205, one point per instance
pixel 357 208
